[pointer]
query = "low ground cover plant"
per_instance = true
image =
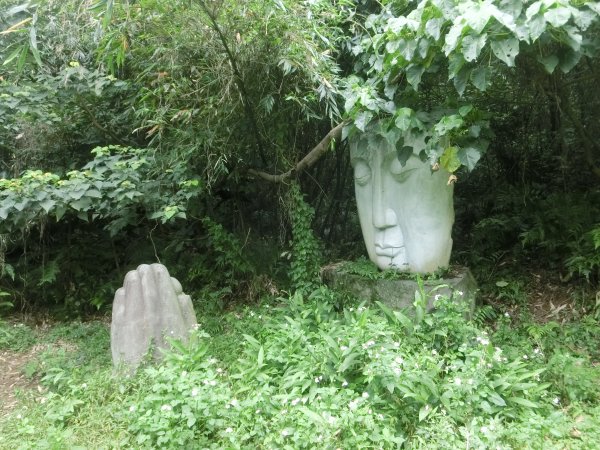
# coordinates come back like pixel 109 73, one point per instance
pixel 320 371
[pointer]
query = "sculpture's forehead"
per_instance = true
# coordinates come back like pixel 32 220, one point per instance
pixel 365 147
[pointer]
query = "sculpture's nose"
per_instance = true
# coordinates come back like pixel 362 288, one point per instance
pixel 383 216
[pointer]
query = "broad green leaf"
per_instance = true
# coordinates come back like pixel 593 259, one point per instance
pixel 568 60
pixel 475 16
pixel 481 78
pixel 451 40
pixel 533 9
pixel 496 399
pixel 413 75
pixel 468 157
pixel 455 64
pixel 424 412
pixel 506 50
pixel 4 212
pixel 558 16
pixel 317 418
pixel 403 154
pixel 433 28
pixel 583 18
pixel 348 362
pixel 523 402
pixel 449 159
pixel 464 110
pixel 407 49
pixel 362 120
pixel 472 46
pixel 536 26
pixel 550 62
pixel 47 204
pixel 448 123
pixel 59 212
pixel 573 38
pixel 403 118
pixel 461 79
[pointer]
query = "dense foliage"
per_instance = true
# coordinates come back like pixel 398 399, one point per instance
pixel 177 100
pixel 318 372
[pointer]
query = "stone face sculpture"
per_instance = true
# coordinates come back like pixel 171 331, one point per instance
pixel 406 212
pixel 148 309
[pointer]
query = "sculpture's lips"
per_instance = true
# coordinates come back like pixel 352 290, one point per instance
pixel 387 250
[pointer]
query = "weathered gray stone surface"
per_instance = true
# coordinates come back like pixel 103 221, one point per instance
pixel 406 209
pixel 148 309
pixel 400 294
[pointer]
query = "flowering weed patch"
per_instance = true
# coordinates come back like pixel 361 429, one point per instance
pixel 312 372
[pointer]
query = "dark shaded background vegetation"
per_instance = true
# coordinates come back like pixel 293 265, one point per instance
pixel 212 89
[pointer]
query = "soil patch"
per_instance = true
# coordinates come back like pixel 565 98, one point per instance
pixel 13 377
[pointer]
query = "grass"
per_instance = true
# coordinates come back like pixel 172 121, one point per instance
pixel 309 373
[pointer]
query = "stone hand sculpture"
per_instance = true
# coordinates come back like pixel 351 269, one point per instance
pixel 149 308
pixel 406 211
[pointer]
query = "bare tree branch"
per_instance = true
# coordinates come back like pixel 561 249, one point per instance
pixel 309 160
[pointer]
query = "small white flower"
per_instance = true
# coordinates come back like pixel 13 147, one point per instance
pixel 19 416
pixel 166 408
pixel 365 395
pixel 556 400
pixel 343 348
pixel 399 360
pixel 470 381
pixel 229 430
pixel 457 381
pixel 318 379
pixel 506 314
pixel 484 430
pixel 397 370
pixel 353 405
pixel 257 411
pixel 213 382
pixel 285 432
pixel 194 392
pixel 344 383
pixel 234 403
pixel 437 297
pixel 434 352
pixel 525 357
pixel 460 293
pixel 84 385
pixel 132 408
pixel 295 401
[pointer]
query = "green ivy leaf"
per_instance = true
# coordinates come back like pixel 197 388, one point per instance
pixel 413 75
pixel 481 78
pixel 558 16
pixel 448 123
pixel 550 62
pixel 433 28
pixel 403 153
pixel 472 46
pixel 403 118
pixel 536 26
pixel 468 157
pixel 362 120
pixel 449 159
pixel 506 50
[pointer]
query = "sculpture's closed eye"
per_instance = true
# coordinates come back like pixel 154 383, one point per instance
pixel 399 172
pixel 362 173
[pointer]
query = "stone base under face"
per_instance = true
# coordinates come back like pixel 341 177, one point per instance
pixel 399 294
